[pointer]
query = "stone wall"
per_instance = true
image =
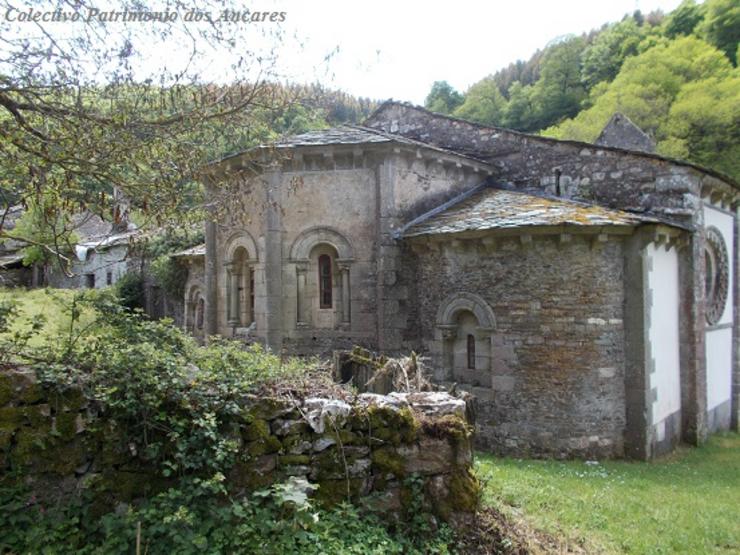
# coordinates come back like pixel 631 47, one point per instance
pixel 16 277
pixel 100 268
pixel 549 375
pixel 361 448
pixel 609 176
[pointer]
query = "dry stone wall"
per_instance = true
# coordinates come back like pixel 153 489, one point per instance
pixel 60 444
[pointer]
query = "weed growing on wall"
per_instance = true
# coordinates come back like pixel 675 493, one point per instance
pixel 174 404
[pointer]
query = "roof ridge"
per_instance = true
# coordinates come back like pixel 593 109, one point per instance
pixel 442 207
pixel 715 173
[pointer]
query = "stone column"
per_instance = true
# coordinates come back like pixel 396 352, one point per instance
pixel 449 334
pixel 636 375
pixel 301 309
pixel 273 263
pixel 344 269
pixel 692 332
pixel 233 285
pixel 211 279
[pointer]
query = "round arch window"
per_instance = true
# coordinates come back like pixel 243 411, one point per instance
pixel 716 272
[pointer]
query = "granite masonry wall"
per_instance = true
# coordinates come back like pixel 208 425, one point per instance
pixel 613 177
pixel 362 447
pixel 552 383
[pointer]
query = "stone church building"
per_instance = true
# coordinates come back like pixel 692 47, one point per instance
pixel 584 293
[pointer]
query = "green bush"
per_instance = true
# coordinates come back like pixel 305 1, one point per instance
pixel 130 291
pixel 196 518
pixel 179 400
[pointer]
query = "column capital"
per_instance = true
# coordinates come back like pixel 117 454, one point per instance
pixel 344 263
pixel 449 331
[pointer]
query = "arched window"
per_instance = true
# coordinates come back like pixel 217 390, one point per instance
pixel 325 281
pixel 200 313
pixel 471 352
pixel 240 289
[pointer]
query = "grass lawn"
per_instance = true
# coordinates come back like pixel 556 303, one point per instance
pixel 688 502
pixel 51 303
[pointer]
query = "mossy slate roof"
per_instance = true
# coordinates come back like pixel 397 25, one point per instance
pixel 488 208
pixel 344 135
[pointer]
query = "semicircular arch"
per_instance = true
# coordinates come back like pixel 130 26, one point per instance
pixel 463 301
pixel 308 239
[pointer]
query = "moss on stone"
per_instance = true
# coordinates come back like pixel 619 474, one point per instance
pixel 358 419
pixel 6 389
pixel 386 459
pixel 392 425
pixel 293 460
pixel 38 417
pixel 327 461
pixel 258 429
pixel 6 437
pixel 332 492
pixel 292 441
pixel 463 494
pixel 126 486
pixel 263 446
pixel 31 393
pixel 11 416
pixel 66 425
pixel 448 426
pixel 344 437
pixel 69 400
pixel 268 408
pixel 28 446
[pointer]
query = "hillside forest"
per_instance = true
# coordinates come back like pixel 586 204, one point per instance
pixel 675 75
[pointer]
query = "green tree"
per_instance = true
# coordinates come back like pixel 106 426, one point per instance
pixel 443 98
pixel 47 230
pixel 519 111
pixel 86 110
pixel 559 91
pixel 484 103
pixel 684 19
pixel 646 87
pixel 721 26
pixel 704 124
pixel 603 58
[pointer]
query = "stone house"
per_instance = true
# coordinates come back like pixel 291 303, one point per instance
pixel 98 259
pixel 585 294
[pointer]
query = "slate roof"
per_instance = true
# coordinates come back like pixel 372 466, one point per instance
pixel 344 135
pixel 192 252
pixel 6 261
pixel 348 135
pixel 486 208
pixel 483 155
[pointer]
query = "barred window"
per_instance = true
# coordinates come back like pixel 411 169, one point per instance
pixel 471 352
pixel 325 292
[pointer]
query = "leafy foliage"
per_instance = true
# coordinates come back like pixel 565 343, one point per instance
pixel 46 229
pixel 443 98
pixel 663 72
pixel 647 87
pixel 130 290
pixel 175 402
pixel 721 26
pixel 199 517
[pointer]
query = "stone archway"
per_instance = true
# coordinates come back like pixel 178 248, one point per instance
pixel 308 239
pixel 463 339
pixel 302 255
pixel 240 261
pixel 194 317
